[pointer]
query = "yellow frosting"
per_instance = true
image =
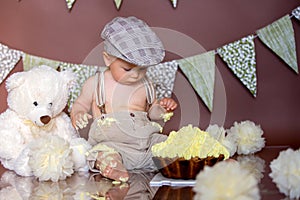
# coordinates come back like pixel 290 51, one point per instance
pixel 107 121
pixel 189 142
pixel 167 116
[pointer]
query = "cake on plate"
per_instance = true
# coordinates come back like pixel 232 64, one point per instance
pixel 186 151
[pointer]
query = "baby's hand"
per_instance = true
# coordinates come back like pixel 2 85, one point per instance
pixel 168 103
pixel 81 120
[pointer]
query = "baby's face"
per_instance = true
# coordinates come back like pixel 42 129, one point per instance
pixel 126 73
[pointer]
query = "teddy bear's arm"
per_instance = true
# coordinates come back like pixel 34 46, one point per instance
pixel 11 140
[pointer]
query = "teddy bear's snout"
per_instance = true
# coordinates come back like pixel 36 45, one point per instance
pixel 45 119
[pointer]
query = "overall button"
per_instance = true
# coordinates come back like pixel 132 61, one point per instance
pixel 132 114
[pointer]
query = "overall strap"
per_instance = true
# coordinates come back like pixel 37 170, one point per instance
pixel 100 91
pixel 150 92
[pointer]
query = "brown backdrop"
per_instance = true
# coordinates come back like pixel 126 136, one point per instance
pixel 48 29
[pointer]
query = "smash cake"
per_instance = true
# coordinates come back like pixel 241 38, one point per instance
pixel 186 152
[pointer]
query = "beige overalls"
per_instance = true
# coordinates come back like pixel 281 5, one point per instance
pixel 129 133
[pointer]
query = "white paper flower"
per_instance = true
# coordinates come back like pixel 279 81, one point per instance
pixel 13 186
pixel 285 172
pixel 254 164
pixel 248 137
pixel 51 191
pixel 219 134
pixel 10 192
pixel 226 181
pixel 50 158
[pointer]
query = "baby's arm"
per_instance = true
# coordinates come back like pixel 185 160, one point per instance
pixel 82 105
pixel 159 108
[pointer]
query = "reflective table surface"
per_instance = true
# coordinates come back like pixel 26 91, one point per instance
pixel 93 186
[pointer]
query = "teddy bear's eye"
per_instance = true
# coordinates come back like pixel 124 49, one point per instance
pixel 35 103
pixel 50 104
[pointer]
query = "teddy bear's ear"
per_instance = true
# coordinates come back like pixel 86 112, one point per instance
pixel 15 80
pixel 69 77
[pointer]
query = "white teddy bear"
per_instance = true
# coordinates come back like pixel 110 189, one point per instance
pixel 36 136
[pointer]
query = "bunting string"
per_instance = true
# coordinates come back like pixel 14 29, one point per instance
pixel 199 69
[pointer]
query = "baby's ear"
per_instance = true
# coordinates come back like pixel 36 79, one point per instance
pixel 69 77
pixel 108 59
pixel 15 80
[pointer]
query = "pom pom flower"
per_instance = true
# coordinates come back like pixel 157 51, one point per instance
pixel 239 184
pixel 248 137
pixel 285 172
pixel 10 192
pixel 50 158
pixel 51 190
pixel 254 164
pixel 219 134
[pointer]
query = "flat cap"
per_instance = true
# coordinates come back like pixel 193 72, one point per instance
pixel 132 40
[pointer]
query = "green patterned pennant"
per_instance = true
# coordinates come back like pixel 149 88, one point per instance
pixel 30 61
pixel 8 60
pixel 279 37
pixel 118 3
pixel 296 13
pixel 174 3
pixel 163 77
pixel 240 58
pixel 70 3
pixel 200 71
pixel 83 72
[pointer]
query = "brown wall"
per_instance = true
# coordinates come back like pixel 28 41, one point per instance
pixel 48 29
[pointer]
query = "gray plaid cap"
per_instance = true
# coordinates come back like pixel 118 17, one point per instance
pixel 132 40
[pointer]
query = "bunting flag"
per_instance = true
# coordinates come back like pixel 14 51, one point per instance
pixel 163 77
pixel 240 58
pixel 279 37
pixel 174 3
pixel 70 3
pixel 118 3
pixel 30 61
pixel 200 71
pixel 83 72
pixel 8 59
pixel 296 13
